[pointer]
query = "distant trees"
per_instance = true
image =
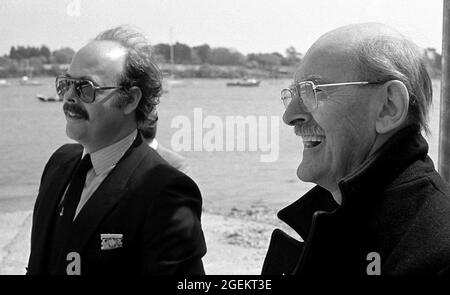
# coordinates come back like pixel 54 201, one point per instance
pixel 45 52
pixel 221 56
pixel 60 56
pixel 225 56
pixel 163 51
pixel 292 56
pixel 266 60
pixel 210 61
pixel 22 52
pixel 182 53
pixel 201 54
pixel 32 60
pixel 63 55
pixel 433 62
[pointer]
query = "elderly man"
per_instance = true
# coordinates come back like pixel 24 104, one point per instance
pixel 359 101
pixel 111 204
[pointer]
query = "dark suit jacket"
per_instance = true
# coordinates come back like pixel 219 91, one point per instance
pixel 154 206
pixel 173 158
pixel 394 204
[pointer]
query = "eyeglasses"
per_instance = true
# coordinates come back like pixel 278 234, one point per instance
pixel 85 89
pixel 310 94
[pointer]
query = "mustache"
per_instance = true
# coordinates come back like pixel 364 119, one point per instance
pixel 308 129
pixel 76 109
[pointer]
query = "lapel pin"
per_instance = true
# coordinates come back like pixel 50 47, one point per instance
pixel 111 241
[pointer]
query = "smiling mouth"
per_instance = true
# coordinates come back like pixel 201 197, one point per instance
pixel 311 141
pixel 73 115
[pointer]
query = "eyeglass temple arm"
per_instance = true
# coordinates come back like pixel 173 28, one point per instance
pixel 106 87
pixel 343 84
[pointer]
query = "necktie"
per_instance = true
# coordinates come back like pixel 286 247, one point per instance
pixel 73 194
pixel 66 211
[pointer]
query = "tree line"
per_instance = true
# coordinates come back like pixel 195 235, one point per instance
pixel 204 54
pixel 210 61
pixel 30 60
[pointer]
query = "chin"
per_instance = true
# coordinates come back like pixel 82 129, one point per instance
pixel 305 174
pixel 73 133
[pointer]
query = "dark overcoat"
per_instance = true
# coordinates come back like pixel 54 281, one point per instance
pixel 395 213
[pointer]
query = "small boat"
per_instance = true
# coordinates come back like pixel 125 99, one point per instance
pixel 4 83
pixel 46 98
pixel 245 83
pixel 28 82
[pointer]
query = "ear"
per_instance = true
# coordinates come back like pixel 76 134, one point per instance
pixel 135 95
pixel 393 110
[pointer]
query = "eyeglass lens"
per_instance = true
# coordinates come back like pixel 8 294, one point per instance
pixel 306 93
pixel 84 90
pixel 286 97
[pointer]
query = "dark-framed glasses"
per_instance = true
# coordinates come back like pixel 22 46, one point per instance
pixel 310 94
pixel 84 89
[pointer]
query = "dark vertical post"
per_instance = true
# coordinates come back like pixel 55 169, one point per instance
pixel 444 128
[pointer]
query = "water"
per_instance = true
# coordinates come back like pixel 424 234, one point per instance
pixel 32 130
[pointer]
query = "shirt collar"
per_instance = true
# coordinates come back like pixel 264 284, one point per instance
pixel 108 156
pixel 153 144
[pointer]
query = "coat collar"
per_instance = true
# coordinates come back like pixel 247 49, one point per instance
pixel 360 187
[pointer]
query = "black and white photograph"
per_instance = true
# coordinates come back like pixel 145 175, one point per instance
pixel 246 139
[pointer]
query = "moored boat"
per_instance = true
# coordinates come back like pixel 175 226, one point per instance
pixel 244 83
pixel 29 82
pixel 46 98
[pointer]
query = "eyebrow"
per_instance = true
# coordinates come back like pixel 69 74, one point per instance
pixel 81 78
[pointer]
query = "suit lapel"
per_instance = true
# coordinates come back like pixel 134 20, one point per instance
pixel 107 195
pixel 50 194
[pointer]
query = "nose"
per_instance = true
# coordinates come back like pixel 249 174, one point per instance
pixel 296 113
pixel 70 96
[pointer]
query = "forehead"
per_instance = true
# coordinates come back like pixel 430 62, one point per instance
pixel 326 64
pixel 99 61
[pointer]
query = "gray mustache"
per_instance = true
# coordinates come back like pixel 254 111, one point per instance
pixel 308 130
pixel 76 109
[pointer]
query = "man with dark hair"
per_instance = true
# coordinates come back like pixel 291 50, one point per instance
pixel 149 134
pixel 111 204
pixel 359 102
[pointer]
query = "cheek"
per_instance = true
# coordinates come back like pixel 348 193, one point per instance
pixel 350 118
pixel 99 117
pixel 348 128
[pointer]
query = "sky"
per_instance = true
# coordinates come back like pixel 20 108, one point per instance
pixel 245 25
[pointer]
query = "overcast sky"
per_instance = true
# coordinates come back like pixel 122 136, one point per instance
pixel 246 25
